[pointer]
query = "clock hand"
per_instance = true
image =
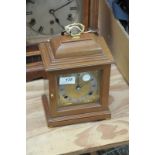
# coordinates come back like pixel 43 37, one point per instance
pixel 64 5
pixel 30 1
pixel 58 22
pixel 54 10
pixel 56 19
pixel 84 83
pixel 78 83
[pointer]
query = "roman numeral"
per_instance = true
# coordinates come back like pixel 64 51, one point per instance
pixel 52 22
pixel 73 8
pixel 52 31
pixel 29 13
pixel 32 22
pixel 70 18
pixel 40 30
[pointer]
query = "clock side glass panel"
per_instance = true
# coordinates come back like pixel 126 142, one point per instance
pixel 46 18
pixel 79 88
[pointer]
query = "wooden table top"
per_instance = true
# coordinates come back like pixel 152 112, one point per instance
pixel 79 138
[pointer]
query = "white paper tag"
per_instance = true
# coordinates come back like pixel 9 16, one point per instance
pixel 67 80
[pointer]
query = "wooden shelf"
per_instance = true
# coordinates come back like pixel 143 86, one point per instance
pixel 79 138
pixel 34 65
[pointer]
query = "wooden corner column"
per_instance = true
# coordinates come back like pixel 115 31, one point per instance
pixel 77 85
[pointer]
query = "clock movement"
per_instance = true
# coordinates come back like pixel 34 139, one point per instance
pixel 77 84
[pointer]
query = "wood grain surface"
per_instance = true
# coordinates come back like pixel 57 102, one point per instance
pixel 116 37
pixel 79 138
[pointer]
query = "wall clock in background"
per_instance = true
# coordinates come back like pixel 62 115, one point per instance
pixel 46 18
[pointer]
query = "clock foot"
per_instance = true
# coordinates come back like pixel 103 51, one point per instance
pixel 73 119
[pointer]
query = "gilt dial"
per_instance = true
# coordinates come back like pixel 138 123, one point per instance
pixel 49 17
pixel 79 88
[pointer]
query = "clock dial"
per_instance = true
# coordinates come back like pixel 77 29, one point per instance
pixel 79 88
pixel 49 17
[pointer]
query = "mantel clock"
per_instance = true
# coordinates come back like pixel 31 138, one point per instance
pixel 78 73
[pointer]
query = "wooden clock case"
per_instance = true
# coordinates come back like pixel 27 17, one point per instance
pixel 34 66
pixel 65 54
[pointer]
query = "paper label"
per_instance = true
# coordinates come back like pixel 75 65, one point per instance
pixel 67 80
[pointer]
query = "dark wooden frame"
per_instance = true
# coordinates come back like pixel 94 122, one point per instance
pixel 36 70
pixel 93 14
pixel 85 20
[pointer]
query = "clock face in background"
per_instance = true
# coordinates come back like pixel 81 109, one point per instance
pixel 45 18
pixel 79 88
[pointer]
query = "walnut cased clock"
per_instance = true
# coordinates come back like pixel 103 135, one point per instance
pixel 77 85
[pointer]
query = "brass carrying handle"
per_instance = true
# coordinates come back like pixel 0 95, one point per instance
pixel 74 29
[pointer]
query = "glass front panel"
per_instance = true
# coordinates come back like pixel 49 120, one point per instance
pixel 79 88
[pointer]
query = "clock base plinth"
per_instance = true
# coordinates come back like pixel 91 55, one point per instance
pixel 73 119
